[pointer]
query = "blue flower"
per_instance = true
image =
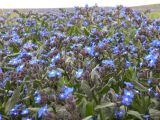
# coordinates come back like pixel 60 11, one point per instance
pixel 128 93
pixel 42 111
pixel 108 62
pixel 155 43
pixel 29 45
pixel 37 97
pixel 27 118
pixel 101 44
pixel 128 84
pixel 20 68
pixel 126 100
pixel 89 50
pixel 79 73
pixel 62 96
pixel 149 81
pixel 32 62
pixel 1 70
pixel 55 58
pixel 128 64
pixel 54 73
pixel 119 114
pixel 152 59
pixel 14 110
pixel 66 92
pixel 14 61
pixel 115 50
pixel 25 111
pixel 147 116
pixel 132 48
pixel 0 117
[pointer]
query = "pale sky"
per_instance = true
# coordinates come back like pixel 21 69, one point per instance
pixel 71 3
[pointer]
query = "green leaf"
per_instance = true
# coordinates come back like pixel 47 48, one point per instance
pixel 87 118
pixel 104 105
pixel 86 88
pixel 86 32
pixel 154 113
pixel 13 100
pixel 89 109
pixel 94 73
pixel 82 106
pixel 37 109
pixel 107 86
pixel 139 86
pixel 7 86
pixel 135 114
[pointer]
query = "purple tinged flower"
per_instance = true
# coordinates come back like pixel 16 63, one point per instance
pixel 128 84
pixel 1 70
pixel 126 100
pixel 146 116
pixel 128 64
pixel 133 48
pixel 107 40
pixel 116 95
pixel 25 54
pixel 79 73
pixel 42 111
pixel 140 64
pixel 27 118
pixel 156 94
pixel 29 45
pixel 150 90
pixel 62 96
pixel 108 62
pixel 3 83
pixel 149 81
pixel 2 19
pixel 25 111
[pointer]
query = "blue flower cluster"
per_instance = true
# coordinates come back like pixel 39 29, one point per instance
pixel 54 73
pixel 19 109
pixel 66 93
pixel 128 94
pixel 42 52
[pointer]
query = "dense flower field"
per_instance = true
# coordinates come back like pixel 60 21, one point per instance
pixel 90 64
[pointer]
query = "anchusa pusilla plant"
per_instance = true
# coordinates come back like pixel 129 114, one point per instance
pixel 89 63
